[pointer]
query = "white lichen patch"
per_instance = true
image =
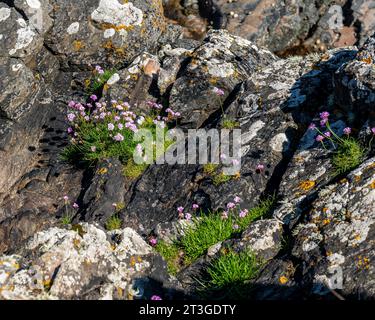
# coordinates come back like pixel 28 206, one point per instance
pixel 74 259
pixel 249 135
pixel 16 67
pixel 336 259
pixel 113 12
pixel 220 69
pixel 109 33
pixel 73 28
pixel 279 143
pixel 4 14
pixel 34 4
pixel 25 36
pixel 112 80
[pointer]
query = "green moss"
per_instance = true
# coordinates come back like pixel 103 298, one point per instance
pixel 113 223
pixel 220 178
pixel 133 170
pixel 230 124
pixel 170 253
pixel 210 168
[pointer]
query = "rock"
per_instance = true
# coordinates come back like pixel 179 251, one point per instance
pixel 19 38
pixel 222 61
pixel 355 84
pixel 134 84
pixel 334 240
pixel 263 237
pixel 294 27
pixel 104 32
pixel 67 264
pixel 105 193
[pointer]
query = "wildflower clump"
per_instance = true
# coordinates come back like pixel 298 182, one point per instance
pixel 348 152
pixel 99 79
pixel 100 130
pixel 69 211
pixel 208 230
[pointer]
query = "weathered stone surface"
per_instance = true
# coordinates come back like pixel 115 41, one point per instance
pixel 19 38
pixel 107 190
pixel 355 84
pixel 105 31
pixel 262 237
pixel 294 27
pixel 338 233
pixel 67 264
pixel 222 61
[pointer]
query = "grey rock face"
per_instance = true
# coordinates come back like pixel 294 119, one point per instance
pixel 222 61
pixel 319 223
pixel 105 31
pixel 68 264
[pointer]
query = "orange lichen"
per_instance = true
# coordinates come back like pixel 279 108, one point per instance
pixel 367 60
pixel 283 280
pixel 78 45
pixel 372 185
pixel 307 185
pixel 102 171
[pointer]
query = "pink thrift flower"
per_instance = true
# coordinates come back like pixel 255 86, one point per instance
pixel 236 227
pixel 111 127
pixel 119 137
pixel 324 115
pixel 347 131
pixel 319 138
pixel 312 126
pixel 71 117
pixel 120 126
pixel 75 206
pixel 219 92
pixel 70 130
pixel 195 206
pixel 230 205
pixel 223 156
pixel 224 215
pixel 66 198
pixel 180 209
pixel 187 216
pixel 260 167
pixel 72 104
pixel 327 134
pixel 94 97
pixel 373 130
pixel 323 122
pixel 156 298
pixel 237 199
pixel 153 241
pixel 243 213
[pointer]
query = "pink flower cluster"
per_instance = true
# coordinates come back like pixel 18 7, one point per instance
pixel 186 216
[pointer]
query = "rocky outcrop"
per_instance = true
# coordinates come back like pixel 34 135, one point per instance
pixel 321 226
pixel 83 263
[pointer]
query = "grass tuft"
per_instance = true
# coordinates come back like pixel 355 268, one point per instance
pixel 232 272
pixel 348 156
pixel 113 223
pixel 207 231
